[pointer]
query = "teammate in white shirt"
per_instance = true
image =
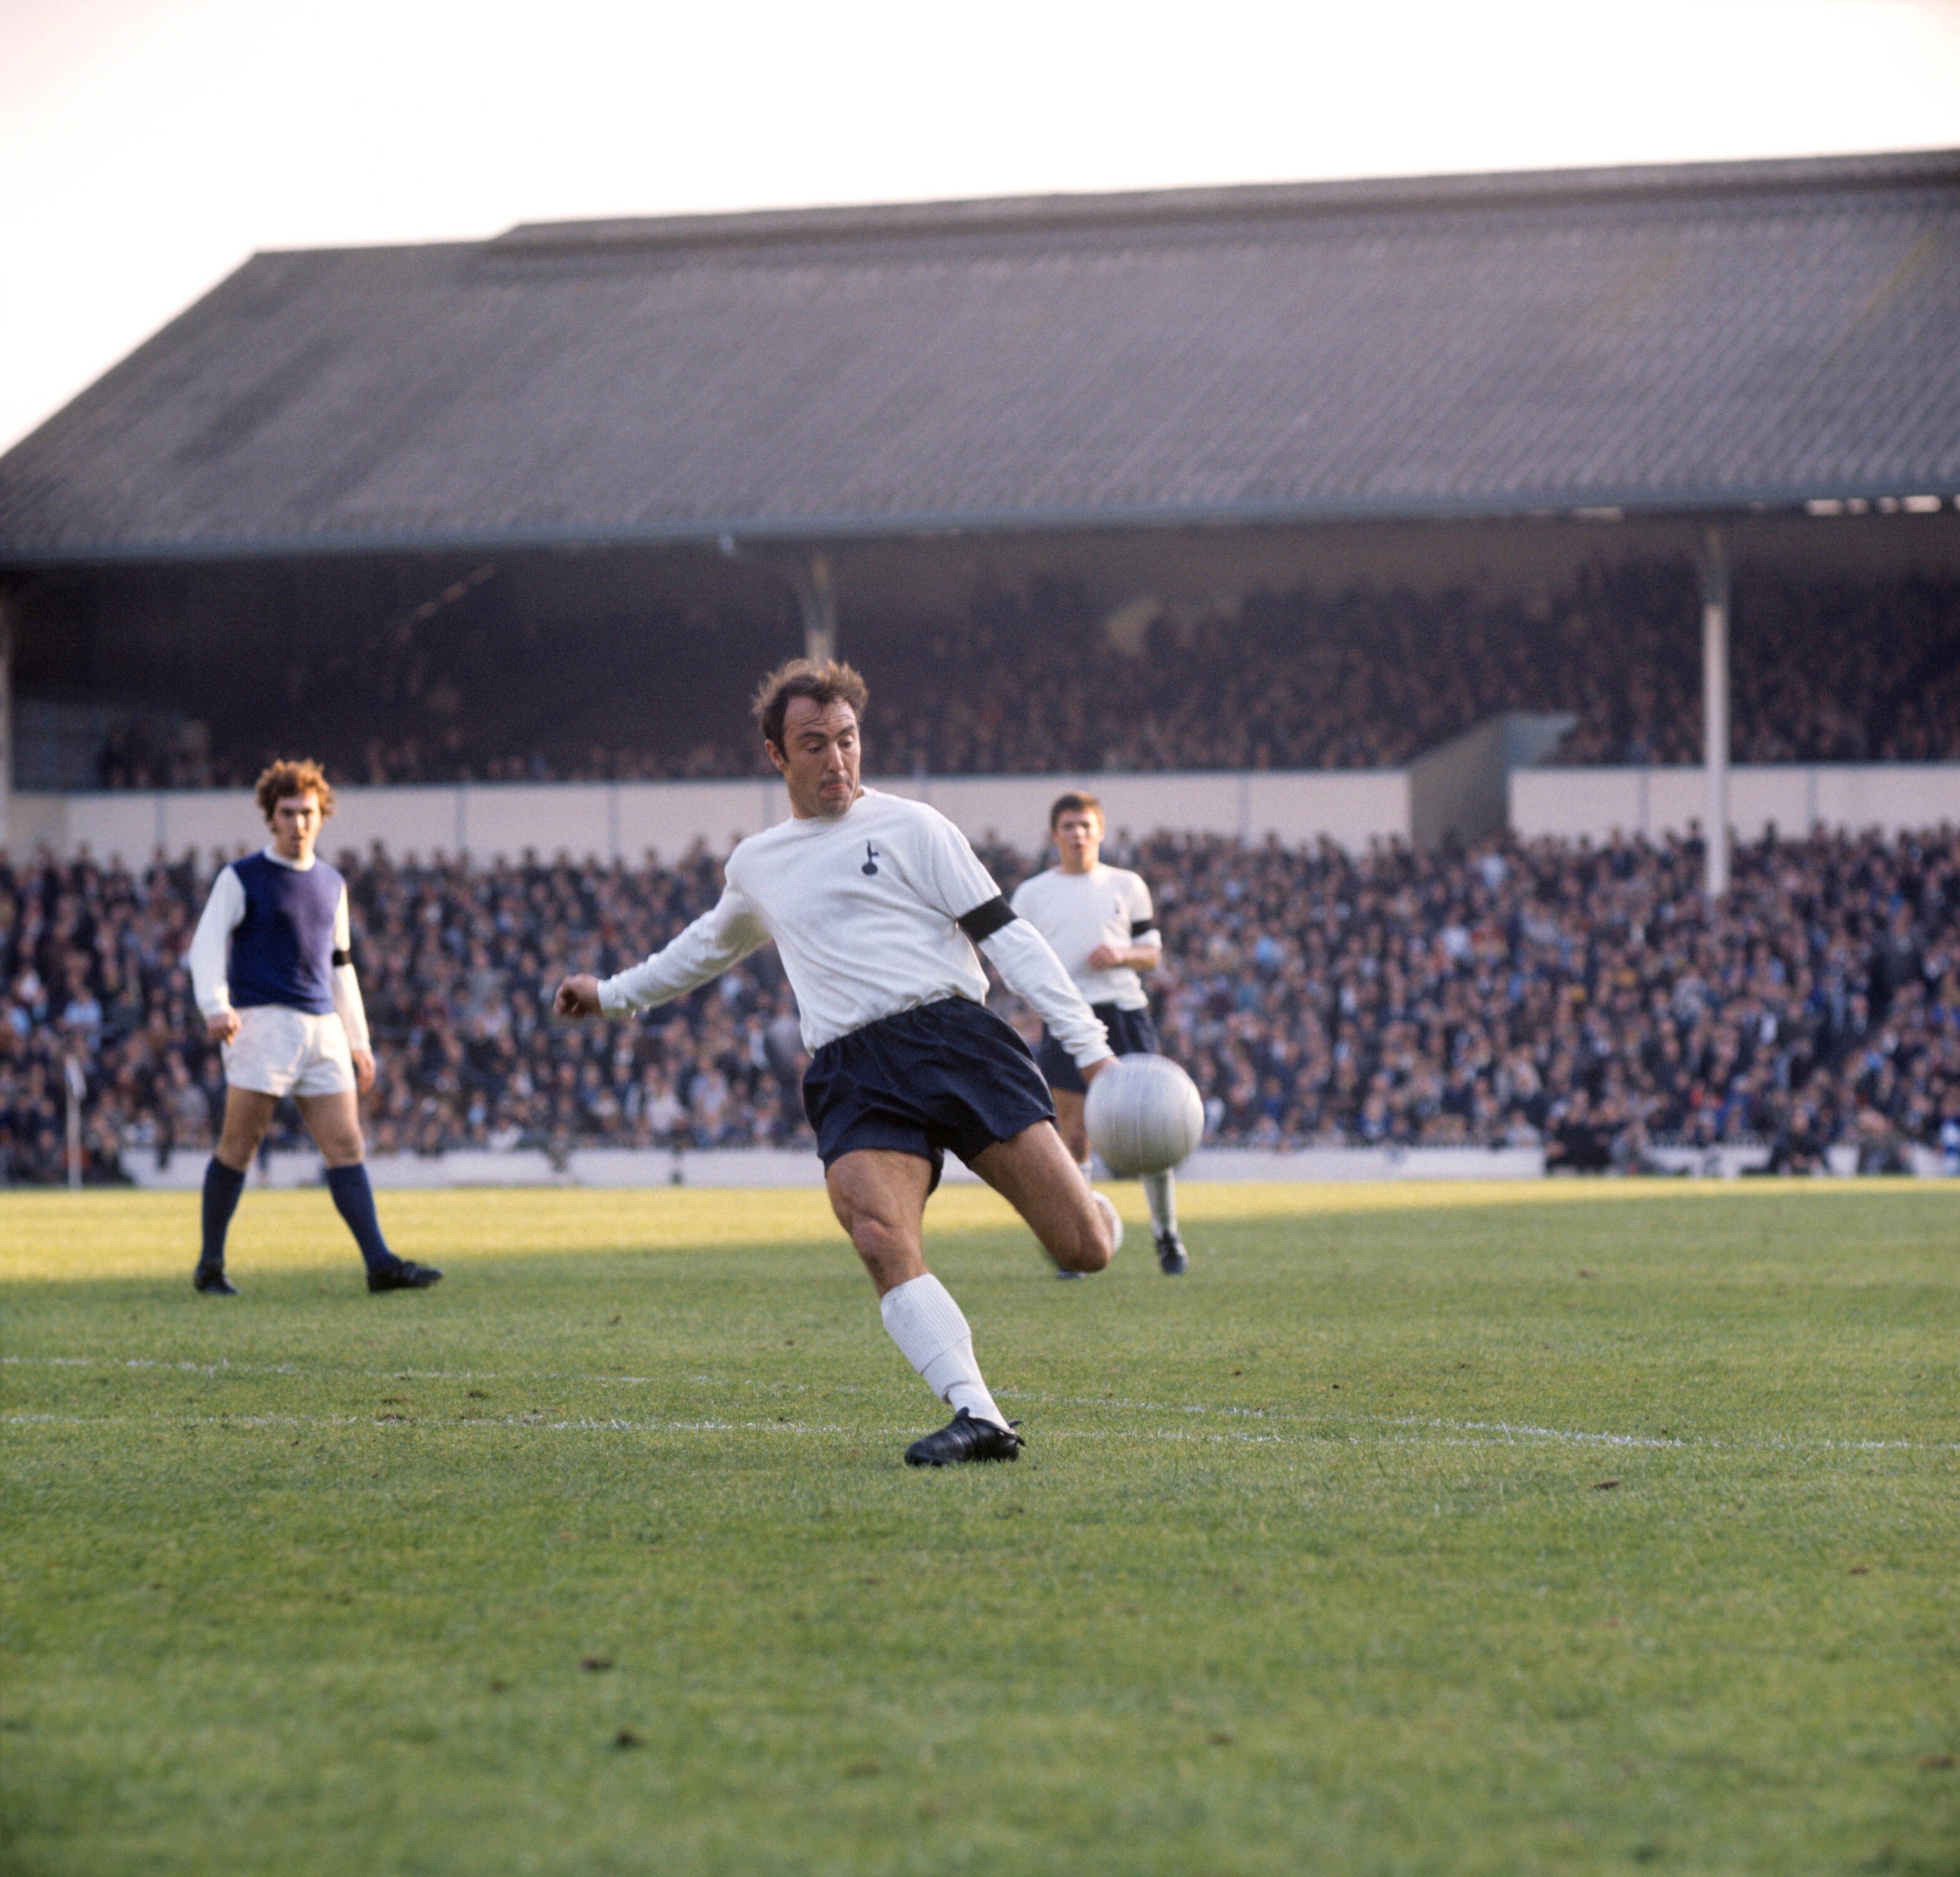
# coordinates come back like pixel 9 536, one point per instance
pixel 1100 922
pixel 875 905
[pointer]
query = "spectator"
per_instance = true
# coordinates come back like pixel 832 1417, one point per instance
pixel 1586 998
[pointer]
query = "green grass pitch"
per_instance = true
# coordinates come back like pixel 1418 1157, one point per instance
pixel 1520 1530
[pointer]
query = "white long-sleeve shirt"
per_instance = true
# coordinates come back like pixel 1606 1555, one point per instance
pixel 865 910
pixel 210 954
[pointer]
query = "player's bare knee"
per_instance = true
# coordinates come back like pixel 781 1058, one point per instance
pixel 340 1143
pixel 885 1247
pixel 1086 1246
pixel 237 1142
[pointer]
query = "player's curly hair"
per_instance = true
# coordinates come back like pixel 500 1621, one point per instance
pixel 279 782
pixel 824 681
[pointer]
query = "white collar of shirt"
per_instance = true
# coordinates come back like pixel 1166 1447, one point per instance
pixel 278 859
pixel 818 824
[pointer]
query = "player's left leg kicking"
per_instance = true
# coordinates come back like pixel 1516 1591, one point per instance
pixel 879 1196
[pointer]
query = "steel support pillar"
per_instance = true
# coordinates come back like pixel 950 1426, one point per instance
pixel 1713 562
pixel 816 598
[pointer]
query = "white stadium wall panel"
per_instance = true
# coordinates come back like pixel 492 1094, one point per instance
pixel 1597 804
pixel 574 819
pixel 423 822
pixel 667 818
pixel 626 821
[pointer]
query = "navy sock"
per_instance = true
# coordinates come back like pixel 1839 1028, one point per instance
pixel 355 1199
pixel 222 1185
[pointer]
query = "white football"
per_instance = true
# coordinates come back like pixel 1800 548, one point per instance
pixel 1145 1114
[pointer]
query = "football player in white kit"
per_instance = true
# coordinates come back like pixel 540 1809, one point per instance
pixel 876 905
pixel 1099 921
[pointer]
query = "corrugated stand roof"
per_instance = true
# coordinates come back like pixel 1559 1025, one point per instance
pixel 1706 337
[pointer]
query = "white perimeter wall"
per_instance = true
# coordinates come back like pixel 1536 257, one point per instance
pixel 1352 808
pixel 1598 802
pixel 626 820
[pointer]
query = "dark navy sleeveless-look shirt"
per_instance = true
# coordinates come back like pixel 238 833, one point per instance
pixel 282 949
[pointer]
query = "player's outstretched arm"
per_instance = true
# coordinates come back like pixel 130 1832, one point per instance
pixel 721 936
pixel 1026 961
pixel 577 997
pixel 1029 967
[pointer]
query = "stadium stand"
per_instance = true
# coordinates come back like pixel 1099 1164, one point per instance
pixel 1584 997
pixel 1823 670
pixel 271 484
pixel 415 466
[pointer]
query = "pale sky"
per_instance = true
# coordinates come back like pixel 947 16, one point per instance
pixel 147 146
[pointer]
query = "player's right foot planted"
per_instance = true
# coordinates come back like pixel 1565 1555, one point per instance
pixel 404 1274
pixel 1172 1260
pixel 210 1280
pixel 964 1438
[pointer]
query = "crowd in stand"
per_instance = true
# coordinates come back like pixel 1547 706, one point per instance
pixel 1361 679
pixel 1585 998
pixel 1036 682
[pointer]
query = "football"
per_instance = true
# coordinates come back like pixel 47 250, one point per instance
pixel 1145 1114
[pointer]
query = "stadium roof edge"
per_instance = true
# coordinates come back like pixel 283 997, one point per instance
pixel 1253 202
pixel 1697 339
pixel 1599 508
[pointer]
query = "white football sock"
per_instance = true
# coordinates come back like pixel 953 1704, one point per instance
pixel 1158 1190
pixel 932 1335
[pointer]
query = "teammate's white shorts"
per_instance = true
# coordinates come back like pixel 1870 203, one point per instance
pixel 282 1051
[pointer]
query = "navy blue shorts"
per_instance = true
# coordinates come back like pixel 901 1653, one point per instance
pixel 1131 1033
pixel 945 1075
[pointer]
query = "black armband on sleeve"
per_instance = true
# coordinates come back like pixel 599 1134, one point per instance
pixel 987 919
pixel 1141 928
pixel 342 955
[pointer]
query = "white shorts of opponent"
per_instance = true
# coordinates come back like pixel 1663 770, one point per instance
pixel 282 1051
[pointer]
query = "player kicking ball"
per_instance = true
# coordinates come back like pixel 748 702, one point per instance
pixel 876 905
pixel 1100 921
pixel 272 972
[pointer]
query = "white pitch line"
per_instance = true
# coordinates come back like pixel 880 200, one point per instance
pixel 515 1424
pixel 1500 1432
pixel 1454 1434
pixel 222 1366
